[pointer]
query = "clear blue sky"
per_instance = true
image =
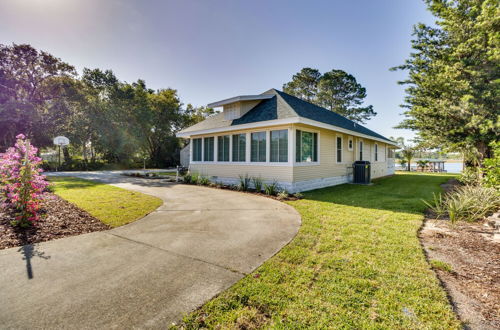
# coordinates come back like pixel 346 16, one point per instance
pixel 210 50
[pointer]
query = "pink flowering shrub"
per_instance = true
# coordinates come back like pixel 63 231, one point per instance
pixel 21 181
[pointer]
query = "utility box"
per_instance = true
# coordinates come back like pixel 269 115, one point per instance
pixel 362 170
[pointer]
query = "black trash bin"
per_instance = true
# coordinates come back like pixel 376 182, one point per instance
pixel 362 171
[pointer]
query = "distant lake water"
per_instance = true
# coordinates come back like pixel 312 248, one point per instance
pixel 449 167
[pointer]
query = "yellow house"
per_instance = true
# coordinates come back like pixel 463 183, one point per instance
pixel 278 137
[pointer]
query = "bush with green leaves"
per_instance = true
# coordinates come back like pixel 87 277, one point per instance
pixel 203 180
pixel 283 194
pixel 244 184
pixel 257 183
pixel 195 177
pixel 188 178
pixel 471 176
pixel 466 203
pixel 491 169
pixel 298 195
pixel 271 189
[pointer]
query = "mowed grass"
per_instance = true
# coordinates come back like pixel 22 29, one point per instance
pixel 112 205
pixel 356 263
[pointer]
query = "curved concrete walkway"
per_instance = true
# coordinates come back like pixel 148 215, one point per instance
pixel 146 274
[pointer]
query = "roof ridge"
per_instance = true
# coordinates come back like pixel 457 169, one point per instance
pixel 278 95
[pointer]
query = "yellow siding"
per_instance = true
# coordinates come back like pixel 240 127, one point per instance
pixel 326 168
pixel 266 172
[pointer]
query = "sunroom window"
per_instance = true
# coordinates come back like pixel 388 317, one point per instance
pixel 258 147
pixel 208 149
pixel 197 150
pixel 239 147
pixel 279 146
pixel 223 148
pixel 306 147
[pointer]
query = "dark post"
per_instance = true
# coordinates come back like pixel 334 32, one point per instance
pixel 59 156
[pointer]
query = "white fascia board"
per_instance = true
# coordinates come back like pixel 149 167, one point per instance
pixel 239 99
pixel 294 120
pixel 342 130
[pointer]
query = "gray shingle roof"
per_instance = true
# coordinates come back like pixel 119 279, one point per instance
pixel 283 106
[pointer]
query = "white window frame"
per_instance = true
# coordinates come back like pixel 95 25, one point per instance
pixel 216 148
pixel 267 147
pixel 291 148
pixel 288 145
pixel 203 149
pixel 246 146
pixel 312 163
pixel 341 149
pixel 375 152
pixel 192 150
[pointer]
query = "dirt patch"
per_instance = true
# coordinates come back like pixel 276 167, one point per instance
pixel 473 282
pixel 60 219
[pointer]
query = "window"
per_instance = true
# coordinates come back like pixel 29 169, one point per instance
pixel 349 144
pixel 360 150
pixel 339 149
pixel 390 153
pixel 279 146
pixel 208 149
pixel 223 148
pixel 306 147
pixel 239 148
pixel 197 150
pixel 376 152
pixel 258 147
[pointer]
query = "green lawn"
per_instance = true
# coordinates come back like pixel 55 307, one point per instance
pixel 167 173
pixel 356 263
pixel 112 205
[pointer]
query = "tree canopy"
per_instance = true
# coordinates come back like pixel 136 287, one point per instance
pixel 335 90
pixel 42 97
pixel 453 77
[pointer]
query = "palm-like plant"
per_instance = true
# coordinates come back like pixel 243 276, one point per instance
pixel 408 153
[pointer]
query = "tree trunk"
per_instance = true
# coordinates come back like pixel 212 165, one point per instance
pixel 484 151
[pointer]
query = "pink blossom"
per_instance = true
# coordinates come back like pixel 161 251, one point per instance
pixel 21 184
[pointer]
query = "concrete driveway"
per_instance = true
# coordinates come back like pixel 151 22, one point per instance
pixel 149 273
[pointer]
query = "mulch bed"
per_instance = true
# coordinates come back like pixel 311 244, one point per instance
pixel 251 191
pixel 60 219
pixel 473 284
